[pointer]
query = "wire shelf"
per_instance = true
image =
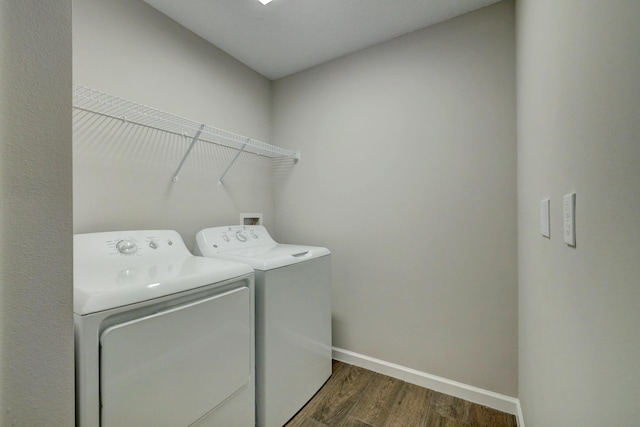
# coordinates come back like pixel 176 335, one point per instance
pixel 94 101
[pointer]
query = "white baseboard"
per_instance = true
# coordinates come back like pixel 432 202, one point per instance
pixel 498 401
pixel 519 416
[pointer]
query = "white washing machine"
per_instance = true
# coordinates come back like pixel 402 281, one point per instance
pixel 293 315
pixel 163 338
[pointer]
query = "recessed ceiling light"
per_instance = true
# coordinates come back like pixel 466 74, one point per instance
pixel 264 1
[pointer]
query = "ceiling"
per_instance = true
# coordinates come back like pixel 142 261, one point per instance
pixel 286 36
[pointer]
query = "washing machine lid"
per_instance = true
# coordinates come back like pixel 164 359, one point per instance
pixel 115 269
pixel 254 246
pixel 270 257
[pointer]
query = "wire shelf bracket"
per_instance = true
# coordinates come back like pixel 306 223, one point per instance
pixel 193 142
pixel 104 104
pixel 232 162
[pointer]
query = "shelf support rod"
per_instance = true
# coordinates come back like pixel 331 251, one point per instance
pixel 233 161
pixel 193 142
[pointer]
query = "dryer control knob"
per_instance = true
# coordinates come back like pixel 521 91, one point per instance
pixel 241 237
pixel 127 247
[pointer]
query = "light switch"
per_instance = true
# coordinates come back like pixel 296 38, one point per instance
pixel 545 229
pixel 569 218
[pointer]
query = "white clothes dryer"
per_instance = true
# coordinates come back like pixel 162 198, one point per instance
pixel 293 315
pixel 163 338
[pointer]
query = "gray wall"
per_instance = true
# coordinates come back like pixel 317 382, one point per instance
pixel 36 326
pixel 578 131
pixel 122 173
pixel 408 175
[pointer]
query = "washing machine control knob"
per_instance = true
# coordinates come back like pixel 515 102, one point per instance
pixel 127 247
pixel 153 244
pixel 240 236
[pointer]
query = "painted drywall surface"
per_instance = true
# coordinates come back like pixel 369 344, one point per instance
pixel 408 176
pixel 36 326
pixel 122 172
pixel 578 131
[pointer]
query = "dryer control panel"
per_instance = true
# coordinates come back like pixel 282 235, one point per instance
pixel 138 245
pixel 130 244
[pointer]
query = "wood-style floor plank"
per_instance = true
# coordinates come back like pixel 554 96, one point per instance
pixel 437 420
pixel 481 416
pixel 353 422
pixel 309 422
pixel 357 397
pixel 336 398
pixel 451 407
pixel 352 381
pixel 411 407
pixel 375 406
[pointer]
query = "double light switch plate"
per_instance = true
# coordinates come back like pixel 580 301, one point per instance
pixel 569 218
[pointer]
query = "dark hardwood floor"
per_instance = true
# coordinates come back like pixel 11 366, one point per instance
pixel 356 397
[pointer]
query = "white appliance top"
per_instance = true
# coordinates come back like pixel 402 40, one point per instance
pixel 252 244
pixel 117 268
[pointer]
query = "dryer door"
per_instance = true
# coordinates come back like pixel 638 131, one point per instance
pixel 171 368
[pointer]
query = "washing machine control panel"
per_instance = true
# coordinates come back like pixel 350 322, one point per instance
pixel 242 234
pixel 235 237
